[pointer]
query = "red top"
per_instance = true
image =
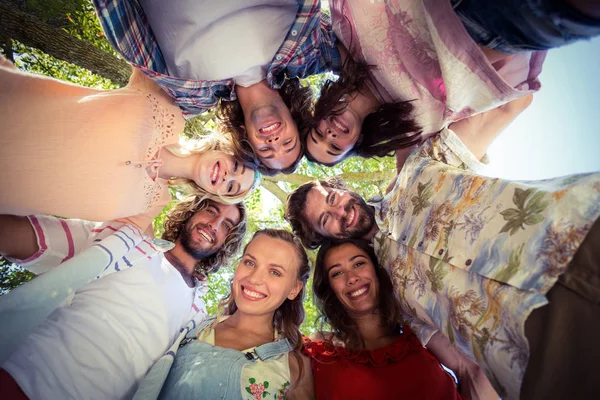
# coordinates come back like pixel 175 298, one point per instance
pixel 402 370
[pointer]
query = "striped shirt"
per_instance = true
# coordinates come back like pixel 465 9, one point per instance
pixel 60 240
pixel 309 48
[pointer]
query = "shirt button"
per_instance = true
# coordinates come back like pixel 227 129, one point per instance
pixel 404 238
pixel 279 57
pixel 420 244
pixel 270 74
pixel 441 252
pixel 294 32
pixel 468 262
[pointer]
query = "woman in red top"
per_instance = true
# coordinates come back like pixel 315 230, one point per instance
pixel 369 355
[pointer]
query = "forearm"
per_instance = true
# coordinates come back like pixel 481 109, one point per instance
pixel 473 384
pixel 17 237
pixel 479 131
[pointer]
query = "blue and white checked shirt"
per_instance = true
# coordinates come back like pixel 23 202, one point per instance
pixel 309 48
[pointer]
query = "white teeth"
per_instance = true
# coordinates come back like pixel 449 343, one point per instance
pixel 358 292
pixel 215 173
pixel 338 125
pixel 270 127
pixel 254 294
pixel 351 217
pixel 205 236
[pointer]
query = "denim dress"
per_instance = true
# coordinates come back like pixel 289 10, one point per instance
pixel 203 371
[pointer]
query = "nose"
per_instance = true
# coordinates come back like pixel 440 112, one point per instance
pixel 352 279
pixel 338 211
pixel 256 276
pixel 273 139
pixel 331 134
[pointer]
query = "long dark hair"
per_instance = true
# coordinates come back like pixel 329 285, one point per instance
pixel 296 97
pixel 388 128
pixel 290 315
pixel 331 309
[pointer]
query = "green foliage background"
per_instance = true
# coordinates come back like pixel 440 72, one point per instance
pixel 265 208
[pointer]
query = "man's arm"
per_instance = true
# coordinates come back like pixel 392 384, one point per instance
pixel 17 237
pixel 479 131
pixel 473 384
pixel 39 242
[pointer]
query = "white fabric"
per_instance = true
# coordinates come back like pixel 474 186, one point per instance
pixel 215 40
pixel 102 344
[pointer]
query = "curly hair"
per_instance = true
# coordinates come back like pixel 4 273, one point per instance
pixel 209 142
pixel 290 315
pixel 331 309
pixel 178 217
pixel 295 213
pixel 296 97
pixel 388 128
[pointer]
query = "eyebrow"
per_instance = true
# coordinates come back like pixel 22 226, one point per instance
pixel 327 151
pixel 323 213
pixel 271 264
pixel 243 169
pixel 339 264
pixel 215 207
pixel 230 221
pixel 293 147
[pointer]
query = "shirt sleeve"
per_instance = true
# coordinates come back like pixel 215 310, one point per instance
pixel 423 331
pixel 58 241
pixel 449 149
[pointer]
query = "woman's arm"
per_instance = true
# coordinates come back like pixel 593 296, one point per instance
pixel 473 384
pixel 17 237
pixel 479 131
pixel 301 387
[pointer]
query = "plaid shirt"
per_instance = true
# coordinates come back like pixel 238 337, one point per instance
pixel 308 49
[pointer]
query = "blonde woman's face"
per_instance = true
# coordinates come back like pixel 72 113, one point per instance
pixel 266 276
pixel 221 174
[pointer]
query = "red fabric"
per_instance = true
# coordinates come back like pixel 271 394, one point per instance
pixel 9 388
pixel 402 370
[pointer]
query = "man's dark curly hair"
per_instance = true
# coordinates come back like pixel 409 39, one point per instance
pixel 295 211
pixel 385 130
pixel 296 97
pixel 178 217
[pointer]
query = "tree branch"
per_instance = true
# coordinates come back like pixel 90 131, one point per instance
pixel 275 190
pixel 33 32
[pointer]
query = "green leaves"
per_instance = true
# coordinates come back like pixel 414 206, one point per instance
pixel 422 200
pixel 530 206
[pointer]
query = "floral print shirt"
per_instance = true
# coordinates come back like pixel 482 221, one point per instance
pixel 473 256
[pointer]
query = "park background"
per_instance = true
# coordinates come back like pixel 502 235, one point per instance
pixel 558 134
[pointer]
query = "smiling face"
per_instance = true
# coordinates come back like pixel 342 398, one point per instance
pixel 352 279
pixel 335 136
pixel 205 233
pixel 273 134
pixel 266 276
pixel 336 213
pixel 221 174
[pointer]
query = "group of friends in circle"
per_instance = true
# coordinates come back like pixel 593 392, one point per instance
pixel 495 280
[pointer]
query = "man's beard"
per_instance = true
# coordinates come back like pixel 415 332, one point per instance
pixel 193 249
pixel 366 218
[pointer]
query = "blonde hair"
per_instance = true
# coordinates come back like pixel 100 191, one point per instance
pixel 209 142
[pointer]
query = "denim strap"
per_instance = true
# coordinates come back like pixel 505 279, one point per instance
pixel 273 349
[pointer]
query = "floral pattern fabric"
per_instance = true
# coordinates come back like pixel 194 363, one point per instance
pixel 473 256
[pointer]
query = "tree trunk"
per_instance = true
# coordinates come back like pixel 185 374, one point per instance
pixel 276 190
pixel 32 32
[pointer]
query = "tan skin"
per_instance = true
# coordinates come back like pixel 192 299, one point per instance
pixel 18 239
pixel 270 128
pixel 349 270
pixel 269 268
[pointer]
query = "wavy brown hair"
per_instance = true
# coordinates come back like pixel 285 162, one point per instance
pixel 295 213
pixel 177 218
pixel 390 127
pixel 331 309
pixel 296 97
pixel 290 314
